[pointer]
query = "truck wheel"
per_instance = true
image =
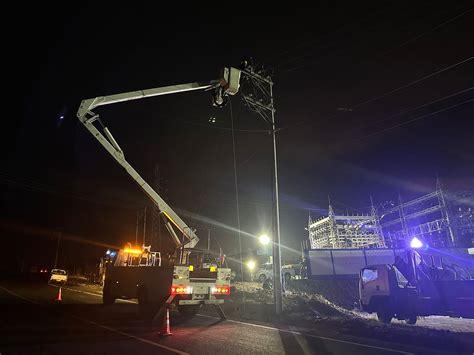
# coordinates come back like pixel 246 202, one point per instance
pixel 188 311
pixel 107 297
pixel 262 278
pixel 384 314
pixel 411 319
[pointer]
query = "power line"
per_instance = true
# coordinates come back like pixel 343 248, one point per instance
pixel 417 119
pixel 423 105
pixel 411 83
pixel 297 58
pixel 228 129
pixel 35 186
pixel 415 38
pixel 411 40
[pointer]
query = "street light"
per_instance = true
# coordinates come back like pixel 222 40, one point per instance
pixel 264 239
pixel 251 265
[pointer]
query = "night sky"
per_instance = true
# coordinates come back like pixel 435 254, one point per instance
pixel 342 106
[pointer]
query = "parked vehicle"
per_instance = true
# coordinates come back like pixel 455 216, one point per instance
pixel 289 271
pixel 265 271
pixel 58 276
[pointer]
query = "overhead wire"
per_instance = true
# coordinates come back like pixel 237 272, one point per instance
pixel 417 119
pixel 40 187
pixel 399 113
pixel 340 29
pixel 411 83
pixel 227 128
pixel 375 98
pixel 411 40
pixel 415 38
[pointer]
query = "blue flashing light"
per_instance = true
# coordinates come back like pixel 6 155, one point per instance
pixel 416 243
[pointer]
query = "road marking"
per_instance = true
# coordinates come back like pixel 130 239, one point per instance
pixel 277 329
pixel 104 326
pixel 309 335
pixel 94 294
pixel 17 295
pixel 131 336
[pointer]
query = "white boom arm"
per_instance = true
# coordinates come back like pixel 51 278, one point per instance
pixel 227 85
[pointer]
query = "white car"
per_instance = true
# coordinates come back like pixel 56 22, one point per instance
pixel 265 271
pixel 58 275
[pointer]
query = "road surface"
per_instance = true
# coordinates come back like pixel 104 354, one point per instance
pixel 33 323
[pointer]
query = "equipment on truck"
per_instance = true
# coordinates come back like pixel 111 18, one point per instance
pixel 138 272
pixel 411 287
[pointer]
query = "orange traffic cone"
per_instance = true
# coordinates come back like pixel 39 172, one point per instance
pixel 58 296
pixel 165 324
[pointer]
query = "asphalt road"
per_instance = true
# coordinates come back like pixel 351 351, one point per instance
pixel 33 323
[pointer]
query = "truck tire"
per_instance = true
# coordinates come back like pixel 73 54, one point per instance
pixel 384 313
pixel 188 311
pixel 262 278
pixel 411 319
pixel 107 296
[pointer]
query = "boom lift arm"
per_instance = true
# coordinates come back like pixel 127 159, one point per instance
pixel 227 85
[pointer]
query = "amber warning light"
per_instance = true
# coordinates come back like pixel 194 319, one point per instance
pixel 132 251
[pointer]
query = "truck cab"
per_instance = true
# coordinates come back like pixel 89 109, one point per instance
pixel 383 289
pixel 410 288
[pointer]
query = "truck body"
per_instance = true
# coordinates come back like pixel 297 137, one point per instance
pixel 406 290
pixel 138 272
pixel 136 275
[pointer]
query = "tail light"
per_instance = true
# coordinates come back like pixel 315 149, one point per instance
pixel 181 290
pixel 223 290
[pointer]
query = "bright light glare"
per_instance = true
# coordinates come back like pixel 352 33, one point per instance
pixel 416 243
pixel 132 251
pixel 251 264
pixel 264 239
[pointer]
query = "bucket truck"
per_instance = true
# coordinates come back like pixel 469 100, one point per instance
pixel 189 277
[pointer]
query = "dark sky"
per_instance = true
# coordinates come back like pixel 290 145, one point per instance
pixel 336 72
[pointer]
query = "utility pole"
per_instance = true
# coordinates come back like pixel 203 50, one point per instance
pixel 136 230
pixel 57 251
pixel 155 239
pixel 144 226
pixel 209 239
pixel 259 98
